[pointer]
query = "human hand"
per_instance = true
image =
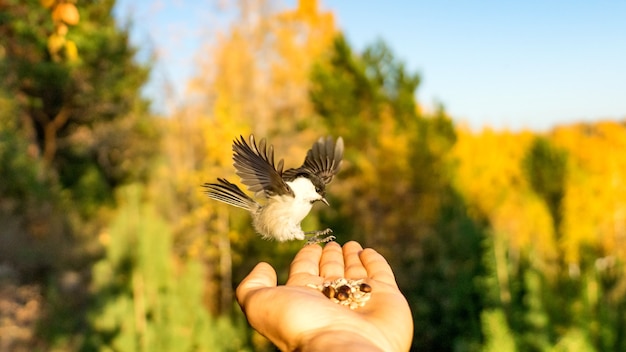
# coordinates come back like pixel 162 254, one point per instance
pixel 298 317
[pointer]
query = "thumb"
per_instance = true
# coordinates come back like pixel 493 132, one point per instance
pixel 262 276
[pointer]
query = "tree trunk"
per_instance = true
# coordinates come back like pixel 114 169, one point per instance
pixel 51 129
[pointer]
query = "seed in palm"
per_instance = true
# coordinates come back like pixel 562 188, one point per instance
pixel 346 292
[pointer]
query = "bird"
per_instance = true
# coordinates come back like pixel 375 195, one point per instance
pixel 288 195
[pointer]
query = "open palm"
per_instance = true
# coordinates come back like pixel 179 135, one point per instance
pixel 295 316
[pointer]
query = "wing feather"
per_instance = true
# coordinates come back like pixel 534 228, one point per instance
pixel 323 160
pixel 255 165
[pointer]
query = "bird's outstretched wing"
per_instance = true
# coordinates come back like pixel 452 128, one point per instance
pixel 255 165
pixel 323 160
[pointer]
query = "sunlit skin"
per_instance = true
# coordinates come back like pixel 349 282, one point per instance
pixel 296 317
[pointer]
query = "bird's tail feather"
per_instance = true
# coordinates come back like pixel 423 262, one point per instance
pixel 229 193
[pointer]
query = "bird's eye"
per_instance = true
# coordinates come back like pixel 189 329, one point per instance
pixel 318 190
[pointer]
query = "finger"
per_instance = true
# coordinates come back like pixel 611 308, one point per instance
pixel 353 266
pixel 306 263
pixel 331 263
pixel 262 276
pixel 377 267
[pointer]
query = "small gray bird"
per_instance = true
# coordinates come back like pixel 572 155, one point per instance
pixel 289 195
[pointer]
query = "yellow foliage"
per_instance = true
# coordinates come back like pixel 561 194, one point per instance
pixel 71 51
pixel 491 178
pixel 55 43
pixel 595 201
pixel 47 3
pixel 63 14
pixel 66 12
pixel 593 208
pixel 258 71
pixel 253 79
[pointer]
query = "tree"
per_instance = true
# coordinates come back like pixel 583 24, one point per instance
pixel 75 128
pixel 78 91
pixel 253 78
pixel 148 298
pixel 545 167
pixel 396 193
pixel 553 255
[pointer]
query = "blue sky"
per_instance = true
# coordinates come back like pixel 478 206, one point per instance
pixel 504 64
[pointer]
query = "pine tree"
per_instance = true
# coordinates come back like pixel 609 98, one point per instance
pixel 146 298
pixel 396 193
pixel 75 128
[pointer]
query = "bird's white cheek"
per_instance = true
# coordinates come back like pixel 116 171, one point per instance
pixel 304 190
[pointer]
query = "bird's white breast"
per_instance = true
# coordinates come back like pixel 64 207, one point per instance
pixel 281 216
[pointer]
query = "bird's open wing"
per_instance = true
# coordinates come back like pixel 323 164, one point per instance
pixel 255 166
pixel 323 159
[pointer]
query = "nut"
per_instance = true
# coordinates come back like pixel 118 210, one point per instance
pixel 365 288
pixel 329 291
pixel 347 292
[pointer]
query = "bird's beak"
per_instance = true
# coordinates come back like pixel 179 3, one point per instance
pixel 323 200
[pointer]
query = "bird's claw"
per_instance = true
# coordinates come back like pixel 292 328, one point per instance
pixel 315 238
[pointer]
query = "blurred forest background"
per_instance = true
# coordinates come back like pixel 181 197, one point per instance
pixel 501 241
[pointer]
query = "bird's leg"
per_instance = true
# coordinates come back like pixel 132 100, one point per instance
pixel 315 236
